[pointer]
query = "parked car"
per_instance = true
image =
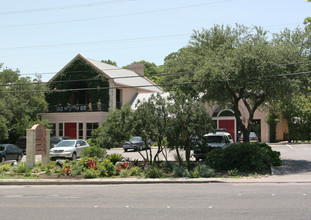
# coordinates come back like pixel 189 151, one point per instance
pixel 135 143
pixel 10 152
pixel 252 137
pixel 68 149
pixel 55 140
pixel 212 141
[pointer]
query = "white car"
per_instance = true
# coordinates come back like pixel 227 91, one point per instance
pixel 68 149
pixel 211 141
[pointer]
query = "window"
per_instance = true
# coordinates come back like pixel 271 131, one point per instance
pixel 118 99
pixel 89 128
pixel 60 129
pixel 226 113
pixel 80 130
pixel 52 129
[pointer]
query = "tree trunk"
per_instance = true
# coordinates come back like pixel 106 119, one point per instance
pixel 178 156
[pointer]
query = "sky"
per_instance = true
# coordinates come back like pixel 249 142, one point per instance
pixel 41 37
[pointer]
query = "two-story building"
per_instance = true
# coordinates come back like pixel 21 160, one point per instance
pixel 84 91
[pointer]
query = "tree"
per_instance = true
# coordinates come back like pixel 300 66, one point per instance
pixel 307 20
pixel 110 62
pixel 150 121
pixel 20 104
pixel 115 129
pixel 189 120
pixel 234 66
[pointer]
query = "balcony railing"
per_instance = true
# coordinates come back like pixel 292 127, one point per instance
pixel 78 108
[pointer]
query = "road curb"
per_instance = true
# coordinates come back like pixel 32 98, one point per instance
pixel 270 179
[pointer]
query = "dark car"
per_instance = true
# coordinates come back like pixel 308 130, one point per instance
pixel 10 152
pixel 135 143
pixel 55 140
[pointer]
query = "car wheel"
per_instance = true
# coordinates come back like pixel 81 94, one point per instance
pixel 125 150
pixel 74 156
pixel 2 159
pixel 19 157
pixel 53 159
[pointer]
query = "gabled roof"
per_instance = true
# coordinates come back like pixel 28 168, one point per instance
pixel 130 78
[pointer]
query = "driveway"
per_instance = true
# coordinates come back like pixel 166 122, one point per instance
pixel 296 159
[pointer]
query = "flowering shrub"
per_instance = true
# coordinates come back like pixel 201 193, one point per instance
pixel 91 164
pixel 107 168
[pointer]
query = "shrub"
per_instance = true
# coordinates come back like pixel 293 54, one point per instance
pixel 90 174
pixel 21 168
pixel 245 157
pixel 181 171
pixel 205 171
pixel 125 173
pixel 274 155
pixel 153 172
pixel 94 151
pixel 107 168
pixel 136 171
pixel 194 174
pixel 76 169
pixel 115 157
pixel 5 167
pixel 233 172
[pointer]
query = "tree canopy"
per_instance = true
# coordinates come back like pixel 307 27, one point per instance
pixel 19 110
pixel 238 65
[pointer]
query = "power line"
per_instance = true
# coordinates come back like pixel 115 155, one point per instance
pixel 115 16
pixel 62 7
pixel 145 86
pixel 95 42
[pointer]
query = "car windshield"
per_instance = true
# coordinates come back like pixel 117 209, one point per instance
pixel 2 148
pixel 134 139
pixel 214 139
pixel 66 144
pixel 54 140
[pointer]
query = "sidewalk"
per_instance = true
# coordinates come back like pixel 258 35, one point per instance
pixel 295 178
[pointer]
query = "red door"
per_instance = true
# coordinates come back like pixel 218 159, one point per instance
pixel 229 125
pixel 71 130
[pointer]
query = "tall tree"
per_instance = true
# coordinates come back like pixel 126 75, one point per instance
pixel 307 20
pixel 20 104
pixel 236 66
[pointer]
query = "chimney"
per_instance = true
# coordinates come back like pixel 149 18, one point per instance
pixel 137 68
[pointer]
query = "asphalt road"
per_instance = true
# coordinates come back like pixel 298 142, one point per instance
pixel 157 201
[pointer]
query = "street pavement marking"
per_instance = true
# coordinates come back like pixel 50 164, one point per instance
pixel 289 146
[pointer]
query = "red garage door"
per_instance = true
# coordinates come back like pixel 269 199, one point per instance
pixel 71 130
pixel 229 125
